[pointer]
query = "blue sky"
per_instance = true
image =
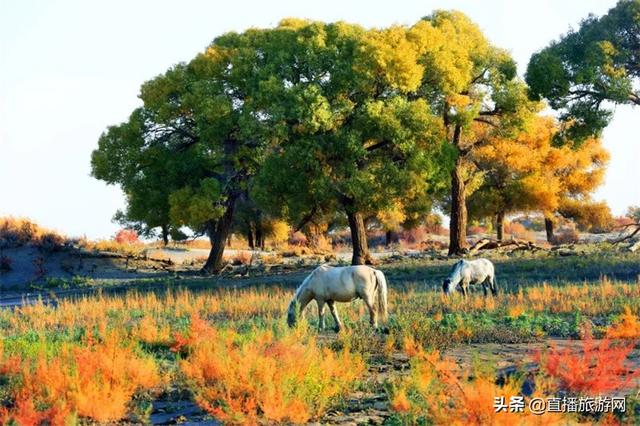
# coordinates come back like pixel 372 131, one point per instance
pixel 68 69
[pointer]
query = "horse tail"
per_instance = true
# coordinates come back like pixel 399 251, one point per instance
pixel 381 288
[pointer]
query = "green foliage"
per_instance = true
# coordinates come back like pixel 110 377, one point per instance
pixel 589 66
pixel 193 207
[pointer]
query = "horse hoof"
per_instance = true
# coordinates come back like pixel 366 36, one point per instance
pixel 336 329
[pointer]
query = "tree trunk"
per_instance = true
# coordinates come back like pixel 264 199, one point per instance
pixel 313 237
pixel 388 236
pixel 250 240
pixel 500 225
pixel 165 235
pixel 218 234
pixel 361 255
pixel 458 218
pixel 548 226
pixel 259 237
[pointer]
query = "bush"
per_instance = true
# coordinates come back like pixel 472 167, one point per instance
pixel 199 243
pixel 128 249
pixel 17 232
pixel 597 368
pixel 126 236
pixel 518 230
pixel 433 225
pixel 50 242
pixel 298 239
pixel 96 381
pixel 241 258
pixel 438 391
pixel 566 236
pixel 267 379
pixel 278 231
pixel 414 235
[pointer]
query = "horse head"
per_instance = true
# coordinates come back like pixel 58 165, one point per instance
pixel 292 317
pixel 446 284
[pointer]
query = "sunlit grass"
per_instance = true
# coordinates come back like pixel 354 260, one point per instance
pixel 195 339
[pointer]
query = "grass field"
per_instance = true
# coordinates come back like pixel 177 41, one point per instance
pixel 108 358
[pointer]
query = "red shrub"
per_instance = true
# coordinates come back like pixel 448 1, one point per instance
pixel 126 236
pixel 596 368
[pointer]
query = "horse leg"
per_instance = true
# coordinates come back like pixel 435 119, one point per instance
pixel 464 286
pixel 320 314
pixel 334 313
pixel 484 287
pixel 373 317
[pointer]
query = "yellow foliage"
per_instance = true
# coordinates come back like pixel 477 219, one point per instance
pixel 278 231
pixel 530 173
pixel 392 217
pixel 627 326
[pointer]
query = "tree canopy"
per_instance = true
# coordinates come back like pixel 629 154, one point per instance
pixel 472 87
pixel 589 69
pixel 528 172
pixel 357 140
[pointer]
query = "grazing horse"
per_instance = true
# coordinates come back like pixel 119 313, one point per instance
pixel 465 272
pixel 329 284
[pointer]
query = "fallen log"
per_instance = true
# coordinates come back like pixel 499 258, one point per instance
pixel 512 244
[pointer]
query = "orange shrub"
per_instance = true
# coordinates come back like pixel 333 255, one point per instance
pixel 598 368
pixel 129 249
pixel 264 378
pixel 626 327
pixel 96 381
pixel 199 243
pixel 439 391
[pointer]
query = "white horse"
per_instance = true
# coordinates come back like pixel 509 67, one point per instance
pixel 465 272
pixel 329 284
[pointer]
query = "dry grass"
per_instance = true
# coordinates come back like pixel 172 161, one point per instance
pixel 16 232
pixel 232 350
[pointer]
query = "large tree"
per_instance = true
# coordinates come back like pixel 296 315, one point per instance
pixel 588 69
pixel 205 117
pixel 147 171
pixel 356 141
pixel 472 86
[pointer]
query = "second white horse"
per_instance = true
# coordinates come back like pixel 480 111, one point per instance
pixel 466 272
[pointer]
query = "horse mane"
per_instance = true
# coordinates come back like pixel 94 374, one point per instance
pixel 305 282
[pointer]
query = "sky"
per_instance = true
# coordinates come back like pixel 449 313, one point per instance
pixel 69 69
